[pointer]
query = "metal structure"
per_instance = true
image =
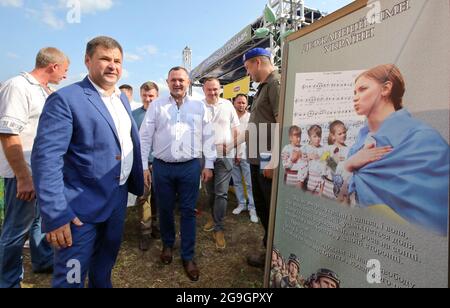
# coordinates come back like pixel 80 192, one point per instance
pixel 187 58
pixel 288 17
pixel 187 63
pixel 280 18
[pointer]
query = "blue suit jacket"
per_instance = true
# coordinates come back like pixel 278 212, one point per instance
pixel 75 159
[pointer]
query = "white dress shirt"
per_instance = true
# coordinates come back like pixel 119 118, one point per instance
pixel 122 121
pixel 175 134
pixel 224 118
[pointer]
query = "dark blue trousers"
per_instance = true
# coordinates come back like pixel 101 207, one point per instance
pixel 94 251
pixel 170 180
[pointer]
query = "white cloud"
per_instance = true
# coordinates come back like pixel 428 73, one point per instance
pixel 92 6
pixel 53 15
pixel 13 3
pixel 88 6
pixel 149 50
pixel 31 13
pixel 12 55
pixel 47 15
pixel 49 18
pixel 130 57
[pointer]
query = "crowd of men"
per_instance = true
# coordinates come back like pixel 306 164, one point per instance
pixel 71 157
pixel 286 274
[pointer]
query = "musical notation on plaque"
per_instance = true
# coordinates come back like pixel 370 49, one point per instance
pixel 323 97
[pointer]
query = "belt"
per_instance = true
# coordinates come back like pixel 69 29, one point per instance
pixel 175 163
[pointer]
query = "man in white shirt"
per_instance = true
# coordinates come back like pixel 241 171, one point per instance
pixel 225 121
pixel 85 160
pixel 176 130
pixel 241 168
pixel 21 101
pixel 128 91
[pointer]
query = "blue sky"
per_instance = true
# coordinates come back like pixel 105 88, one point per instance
pixel 152 33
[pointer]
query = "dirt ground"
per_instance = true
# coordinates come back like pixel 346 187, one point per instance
pixel 227 269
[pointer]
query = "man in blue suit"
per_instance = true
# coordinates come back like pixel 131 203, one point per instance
pixel 85 160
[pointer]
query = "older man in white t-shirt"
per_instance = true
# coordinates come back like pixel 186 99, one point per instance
pixel 226 123
pixel 22 99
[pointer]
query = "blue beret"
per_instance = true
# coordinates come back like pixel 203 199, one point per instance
pixel 256 52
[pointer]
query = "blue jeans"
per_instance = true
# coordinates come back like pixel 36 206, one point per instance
pixel 21 219
pixel 217 190
pixel 239 171
pixel 170 180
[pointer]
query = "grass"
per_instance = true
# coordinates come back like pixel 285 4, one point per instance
pixel 227 269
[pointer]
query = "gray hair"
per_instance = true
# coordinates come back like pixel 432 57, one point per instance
pixel 103 41
pixel 50 55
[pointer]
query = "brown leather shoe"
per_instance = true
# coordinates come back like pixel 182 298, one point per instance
pixel 144 243
pixel 191 270
pixel 219 238
pixel 156 234
pixel 209 227
pixel 257 260
pixel 167 255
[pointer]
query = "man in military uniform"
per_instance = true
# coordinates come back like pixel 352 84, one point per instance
pixel 327 279
pixel 323 279
pixel 312 283
pixel 292 281
pixel 275 273
pixel 263 117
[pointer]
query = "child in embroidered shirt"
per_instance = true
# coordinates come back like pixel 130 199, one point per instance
pixel 337 154
pixel 314 152
pixel 294 161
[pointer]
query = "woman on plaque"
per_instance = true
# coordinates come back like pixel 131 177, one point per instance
pixel 398 161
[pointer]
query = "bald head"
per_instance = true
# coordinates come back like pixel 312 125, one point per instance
pixel 259 68
pixel 50 55
pixel 51 66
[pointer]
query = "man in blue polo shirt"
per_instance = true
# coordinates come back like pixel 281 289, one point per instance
pixel 149 224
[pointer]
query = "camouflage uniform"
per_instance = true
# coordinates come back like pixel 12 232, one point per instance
pixel 287 284
pixel 275 278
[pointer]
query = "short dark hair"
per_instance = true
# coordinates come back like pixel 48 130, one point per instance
pixel 178 68
pixel 126 87
pixel 208 79
pixel 149 86
pixel 103 41
pixel 240 95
